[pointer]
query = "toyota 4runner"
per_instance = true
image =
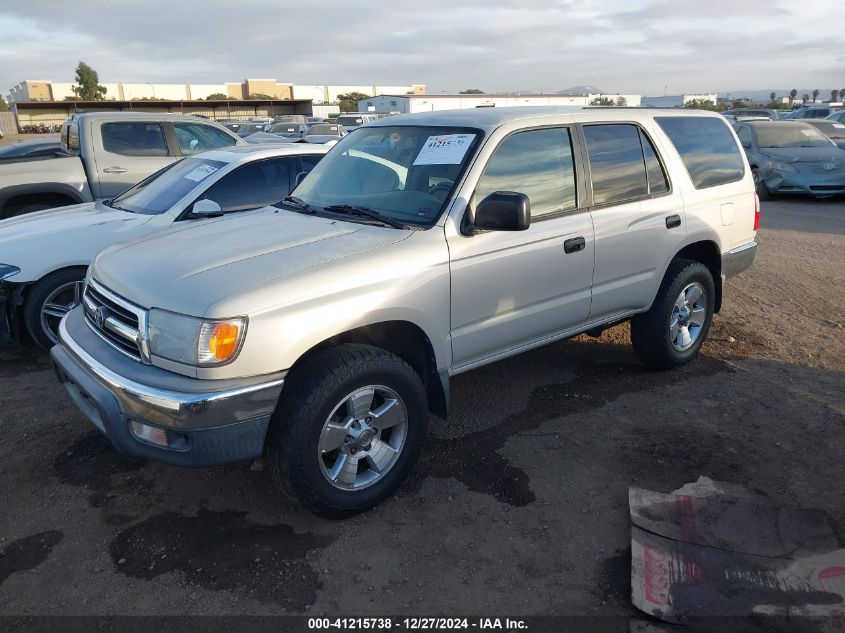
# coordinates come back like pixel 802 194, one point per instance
pixel 322 332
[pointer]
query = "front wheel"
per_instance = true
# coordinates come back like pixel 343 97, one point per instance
pixel 348 429
pixel 674 328
pixel 759 185
pixel 48 301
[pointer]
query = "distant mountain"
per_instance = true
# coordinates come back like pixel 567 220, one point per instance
pixel 580 90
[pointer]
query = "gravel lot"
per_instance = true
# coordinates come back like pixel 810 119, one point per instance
pixel 519 505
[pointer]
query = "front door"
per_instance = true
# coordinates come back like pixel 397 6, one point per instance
pixel 131 151
pixel 512 289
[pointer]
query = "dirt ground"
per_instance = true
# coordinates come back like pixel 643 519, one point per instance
pixel 519 504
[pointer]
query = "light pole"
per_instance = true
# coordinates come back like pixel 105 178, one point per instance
pixel 153 89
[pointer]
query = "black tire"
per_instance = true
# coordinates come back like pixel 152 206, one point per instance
pixel 311 392
pixel 36 297
pixel 650 330
pixel 762 191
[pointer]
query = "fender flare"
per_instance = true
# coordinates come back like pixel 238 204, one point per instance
pixel 41 188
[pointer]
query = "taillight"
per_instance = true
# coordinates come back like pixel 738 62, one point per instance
pixel 756 211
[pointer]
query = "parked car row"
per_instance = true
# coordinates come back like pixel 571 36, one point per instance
pixel 795 157
pixel 323 330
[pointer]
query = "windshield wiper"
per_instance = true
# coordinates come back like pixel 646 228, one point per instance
pixel 298 203
pixel 364 211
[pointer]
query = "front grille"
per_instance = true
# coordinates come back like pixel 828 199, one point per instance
pixel 827 187
pixel 117 321
pixel 819 168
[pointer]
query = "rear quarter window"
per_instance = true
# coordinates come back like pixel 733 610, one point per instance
pixel 707 148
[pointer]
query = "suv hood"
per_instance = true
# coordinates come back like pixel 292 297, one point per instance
pixel 186 271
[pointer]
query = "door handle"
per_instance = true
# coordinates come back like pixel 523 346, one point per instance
pixel 115 170
pixel 574 245
pixel 673 221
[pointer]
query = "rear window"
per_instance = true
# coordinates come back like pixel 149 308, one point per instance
pixel 707 148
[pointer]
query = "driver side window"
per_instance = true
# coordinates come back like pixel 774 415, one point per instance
pixel 252 186
pixel 538 163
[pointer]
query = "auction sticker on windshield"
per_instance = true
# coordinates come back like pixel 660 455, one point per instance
pixel 200 173
pixel 446 149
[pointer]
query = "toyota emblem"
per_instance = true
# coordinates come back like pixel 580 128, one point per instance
pixel 100 316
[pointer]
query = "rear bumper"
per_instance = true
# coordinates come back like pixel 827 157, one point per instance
pixel 738 259
pixel 206 422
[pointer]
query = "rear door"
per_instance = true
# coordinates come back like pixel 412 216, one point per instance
pixel 127 152
pixel 638 217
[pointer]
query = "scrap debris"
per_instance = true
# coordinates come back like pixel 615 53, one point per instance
pixel 716 549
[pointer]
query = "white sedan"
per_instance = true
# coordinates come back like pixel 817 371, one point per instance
pixel 44 255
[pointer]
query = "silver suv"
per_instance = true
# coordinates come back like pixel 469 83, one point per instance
pixel 322 332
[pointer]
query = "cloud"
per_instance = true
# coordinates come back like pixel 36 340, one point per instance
pixel 635 46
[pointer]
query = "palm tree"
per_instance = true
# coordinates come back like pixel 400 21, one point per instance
pixel 815 94
pixel 772 96
pixel 834 95
pixel 805 98
pixel 792 94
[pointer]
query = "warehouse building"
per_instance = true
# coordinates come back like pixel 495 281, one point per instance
pixel 45 90
pixel 408 104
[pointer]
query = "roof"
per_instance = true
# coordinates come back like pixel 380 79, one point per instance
pixel 488 119
pixel 157 116
pixel 248 153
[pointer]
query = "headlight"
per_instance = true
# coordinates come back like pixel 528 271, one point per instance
pixel 194 341
pixel 780 165
pixel 7 270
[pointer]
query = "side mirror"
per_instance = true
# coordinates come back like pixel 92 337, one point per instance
pixel 503 211
pixel 206 208
pixel 299 178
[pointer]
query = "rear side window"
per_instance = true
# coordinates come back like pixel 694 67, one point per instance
pixel 134 139
pixel 657 181
pixel 537 163
pixel 707 148
pixel 196 137
pixel 617 167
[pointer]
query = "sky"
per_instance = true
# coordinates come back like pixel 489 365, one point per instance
pixel 649 47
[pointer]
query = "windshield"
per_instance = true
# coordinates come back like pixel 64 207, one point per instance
pixel 403 173
pixel 162 190
pixel 786 135
pixel 350 121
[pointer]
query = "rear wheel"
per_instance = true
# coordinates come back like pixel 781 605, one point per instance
pixel 674 328
pixel 48 301
pixel 348 429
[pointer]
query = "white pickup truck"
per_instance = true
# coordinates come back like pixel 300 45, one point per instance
pixel 102 155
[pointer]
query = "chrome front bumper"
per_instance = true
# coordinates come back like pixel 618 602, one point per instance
pixel 738 259
pixel 210 421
